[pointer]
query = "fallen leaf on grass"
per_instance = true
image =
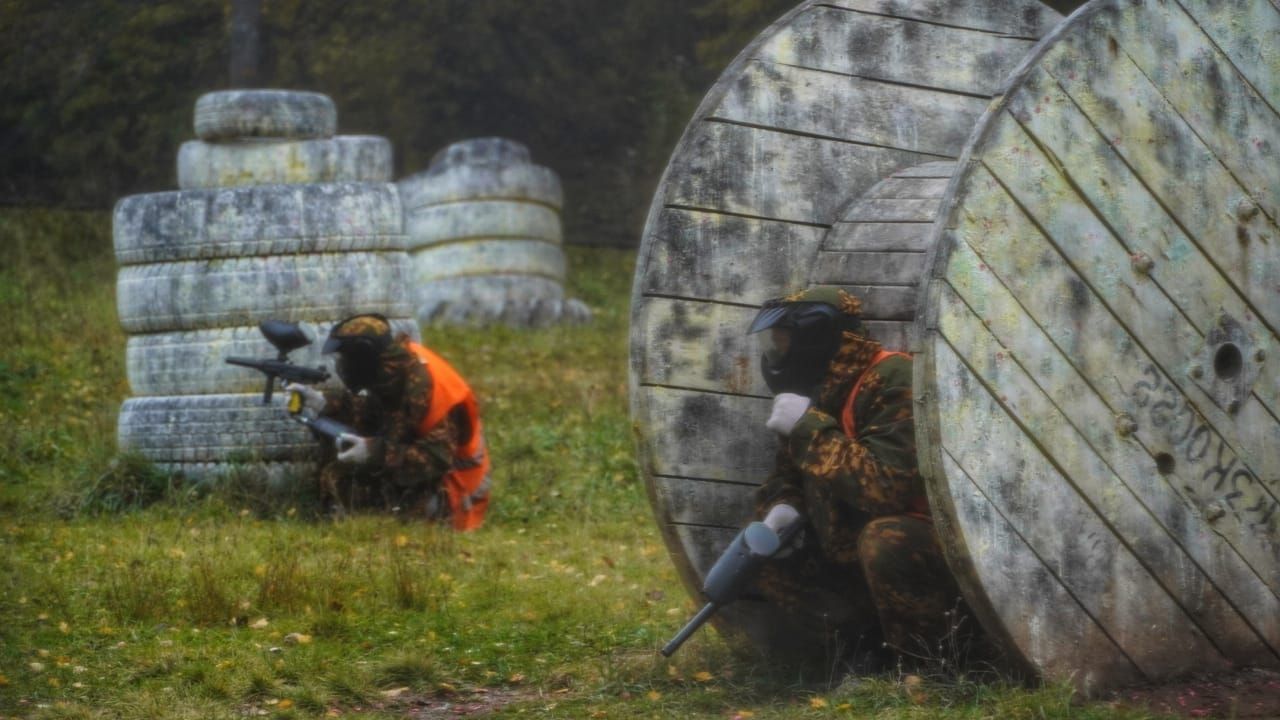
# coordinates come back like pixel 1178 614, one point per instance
pixel 259 623
pixel 702 676
pixel 284 704
pixel 817 703
pixel 297 639
pixel 654 695
pixel 394 692
pixel 597 580
pixel 516 678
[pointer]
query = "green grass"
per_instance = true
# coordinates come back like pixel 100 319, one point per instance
pixel 123 596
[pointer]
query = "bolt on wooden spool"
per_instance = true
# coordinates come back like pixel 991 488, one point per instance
pixel 1080 240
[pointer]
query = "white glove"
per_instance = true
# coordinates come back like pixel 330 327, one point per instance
pixel 780 517
pixel 312 399
pixel 788 408
pixel 354 449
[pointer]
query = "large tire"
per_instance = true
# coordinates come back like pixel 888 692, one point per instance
pixel 484 256
pixel 264 220
pixel 194 362
pixel 481 219
pixel 483 151
pixel 204 294
pixel 213 429
pixel 234 114
pixel 272 475
pixel 345 158
pixel 483 299
pixel 454 183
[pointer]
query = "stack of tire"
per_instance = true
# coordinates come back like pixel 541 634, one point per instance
pixel 484 232
pixel 276 218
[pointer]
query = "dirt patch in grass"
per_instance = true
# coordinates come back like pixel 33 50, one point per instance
pixel 1253 694
pixel 477 702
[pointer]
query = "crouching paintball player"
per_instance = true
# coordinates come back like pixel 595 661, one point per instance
pixel 416 445
pixel 864 574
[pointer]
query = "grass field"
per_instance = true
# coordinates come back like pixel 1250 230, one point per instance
pixel 124 596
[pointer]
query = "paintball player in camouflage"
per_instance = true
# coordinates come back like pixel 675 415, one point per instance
pixel 868 571
pixel 418 447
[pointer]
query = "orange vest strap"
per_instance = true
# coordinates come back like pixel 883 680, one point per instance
pixel 466 485
pixel 846 416
pixel 919 504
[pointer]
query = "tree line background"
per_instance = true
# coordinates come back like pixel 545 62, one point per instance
pixel 98 94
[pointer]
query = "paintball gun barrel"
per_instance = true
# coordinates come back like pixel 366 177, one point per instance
pixel 733 572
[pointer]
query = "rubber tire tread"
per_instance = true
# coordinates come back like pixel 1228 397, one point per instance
pixel 213 428
pixel 231 292
pixel 255 221
pixel 193 362
pixel 344 158
pixel 293 114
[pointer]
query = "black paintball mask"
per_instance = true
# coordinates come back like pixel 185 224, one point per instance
pixel 803 337
pixel 358 343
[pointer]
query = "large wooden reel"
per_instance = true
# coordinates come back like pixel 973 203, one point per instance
pixel 828 101
pixel 1096 338
pixel 1097 357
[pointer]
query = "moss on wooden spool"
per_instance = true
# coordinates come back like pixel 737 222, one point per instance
pixel 200 268
pixel 830 100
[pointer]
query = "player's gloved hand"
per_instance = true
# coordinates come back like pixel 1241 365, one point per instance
pixel 312 399
pixel 788 408
pixel 356 450
pixel 780 518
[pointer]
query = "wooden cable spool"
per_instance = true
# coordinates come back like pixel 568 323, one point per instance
pixel 824 104
pixel 1098 407
pixel 1096 384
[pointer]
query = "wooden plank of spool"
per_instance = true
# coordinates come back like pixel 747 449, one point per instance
pixel 826 103
pixel 1093 342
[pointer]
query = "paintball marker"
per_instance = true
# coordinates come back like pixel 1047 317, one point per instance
pixel 738 566
pixel 287 337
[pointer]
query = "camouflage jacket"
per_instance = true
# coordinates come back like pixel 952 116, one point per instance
pixel 840 483
pixel 393 410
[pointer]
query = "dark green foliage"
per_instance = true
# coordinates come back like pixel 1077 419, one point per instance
pixel 98 95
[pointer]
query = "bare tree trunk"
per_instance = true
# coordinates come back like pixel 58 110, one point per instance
pixel 246 16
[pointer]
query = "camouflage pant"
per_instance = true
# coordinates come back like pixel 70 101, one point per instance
pixel 899 591
pixel 414 489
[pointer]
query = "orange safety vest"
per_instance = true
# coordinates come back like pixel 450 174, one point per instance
pixel 466 485
pixel 920 503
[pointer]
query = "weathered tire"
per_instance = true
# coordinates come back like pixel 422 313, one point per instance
pixel 271 475
pixel 345 158
pixel 264 220
pixel 213 429
pixel 483 151
pixel 202 294
pixel 193 362
pixel 483 299
pixel 293 114
pixel 455 183
pixel 484 256
pixel 481 219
